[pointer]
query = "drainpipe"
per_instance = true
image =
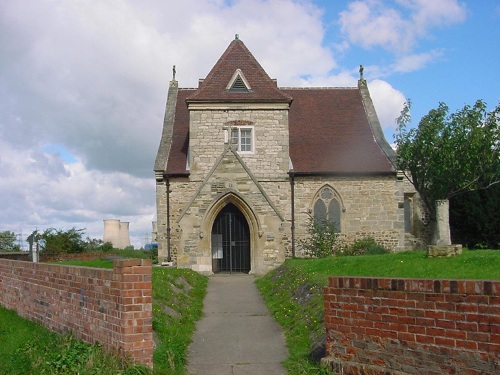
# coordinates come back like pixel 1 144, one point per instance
pixel 169 258
pixel 292 185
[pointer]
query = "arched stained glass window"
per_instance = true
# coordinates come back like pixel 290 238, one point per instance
pixel 327 207
pixel 320 212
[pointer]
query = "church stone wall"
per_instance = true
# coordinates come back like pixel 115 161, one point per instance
pixel 206 140
pixel 373 207
pixel 258 184
pixel 192 219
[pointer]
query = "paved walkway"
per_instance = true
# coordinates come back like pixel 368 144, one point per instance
pixel 237 335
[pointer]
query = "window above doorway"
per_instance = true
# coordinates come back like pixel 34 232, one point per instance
pixel 243 137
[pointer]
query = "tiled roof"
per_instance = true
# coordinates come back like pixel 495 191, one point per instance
pixel 329 128
pixel 237 56
pixel 177 157
pixel 330 133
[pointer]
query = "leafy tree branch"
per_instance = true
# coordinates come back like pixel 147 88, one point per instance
pixel 449 154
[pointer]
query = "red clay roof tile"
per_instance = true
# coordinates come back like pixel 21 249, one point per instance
pixel 237 56
pixel 330 133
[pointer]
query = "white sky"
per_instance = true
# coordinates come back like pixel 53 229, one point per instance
pixel 83 84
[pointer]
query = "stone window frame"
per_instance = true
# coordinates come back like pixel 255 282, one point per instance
pixel 321 195
pixel 237 140
pixel 240 77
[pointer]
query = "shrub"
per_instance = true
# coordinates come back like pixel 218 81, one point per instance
pixel 365 246
pixel 322 240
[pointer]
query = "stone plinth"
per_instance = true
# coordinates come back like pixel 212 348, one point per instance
pixel 435 251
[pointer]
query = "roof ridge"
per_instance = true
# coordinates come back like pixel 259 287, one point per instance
pixel 319 88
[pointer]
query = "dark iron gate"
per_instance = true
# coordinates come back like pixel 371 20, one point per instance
pixel 230 241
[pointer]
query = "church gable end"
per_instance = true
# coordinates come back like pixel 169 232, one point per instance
pixel 238 61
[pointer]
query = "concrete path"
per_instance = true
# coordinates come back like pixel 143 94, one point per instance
pixel 237 335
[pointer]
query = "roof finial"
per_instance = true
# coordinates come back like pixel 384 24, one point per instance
pixel 173 73
pixel 236 36
pixel 361 69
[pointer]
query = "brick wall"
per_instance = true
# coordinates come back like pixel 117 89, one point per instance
pixel 112 307
pixel 412 326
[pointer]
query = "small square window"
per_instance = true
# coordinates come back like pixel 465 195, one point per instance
pixel 242 137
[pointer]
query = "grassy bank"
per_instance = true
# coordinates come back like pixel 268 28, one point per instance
pixel 28 348
pixel 293 292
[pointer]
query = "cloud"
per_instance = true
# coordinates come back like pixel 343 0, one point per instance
pixel 83 87
pixel 415 61
pixel 45 191
pixel 388 103
pixel 396 27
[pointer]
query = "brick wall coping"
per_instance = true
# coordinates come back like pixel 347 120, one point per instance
pixel 442 286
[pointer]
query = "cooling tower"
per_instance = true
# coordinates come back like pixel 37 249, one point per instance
pixel 124 236
pixel 154 237
pixel 112 232
pixel 117 233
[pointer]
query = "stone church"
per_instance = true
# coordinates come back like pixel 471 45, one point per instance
pixel 243 165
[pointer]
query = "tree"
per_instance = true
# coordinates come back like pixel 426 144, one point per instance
pixel 59 241
pixel 475 218
pixel 447 155
pixel 8 241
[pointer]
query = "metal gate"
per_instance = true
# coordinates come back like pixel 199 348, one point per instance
pixel 230 242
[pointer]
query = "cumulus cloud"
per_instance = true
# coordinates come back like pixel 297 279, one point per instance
pixel 388 102
pixel 83 89
pixel 415 61
pixel 397 26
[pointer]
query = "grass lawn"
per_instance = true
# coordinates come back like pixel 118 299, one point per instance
pixel 471 264
pixel 28 348
pixel 293 292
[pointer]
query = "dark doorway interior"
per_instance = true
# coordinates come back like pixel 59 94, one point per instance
pixel 230 242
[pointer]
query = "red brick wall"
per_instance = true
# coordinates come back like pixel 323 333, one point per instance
pixel 112 307
pixel 412 326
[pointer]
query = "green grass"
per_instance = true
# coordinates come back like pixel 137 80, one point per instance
pixel 293 292
pixel 471 264
pixel 96 263
pixel 28 348
pixel 177 305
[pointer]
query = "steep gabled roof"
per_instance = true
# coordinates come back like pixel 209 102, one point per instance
pixel 177 158
pixel 330 133
pixel 331 130
pixel 214 88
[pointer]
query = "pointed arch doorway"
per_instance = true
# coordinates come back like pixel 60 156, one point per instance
pixel 230 241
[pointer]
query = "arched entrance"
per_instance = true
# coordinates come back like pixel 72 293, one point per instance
pixel 230 241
